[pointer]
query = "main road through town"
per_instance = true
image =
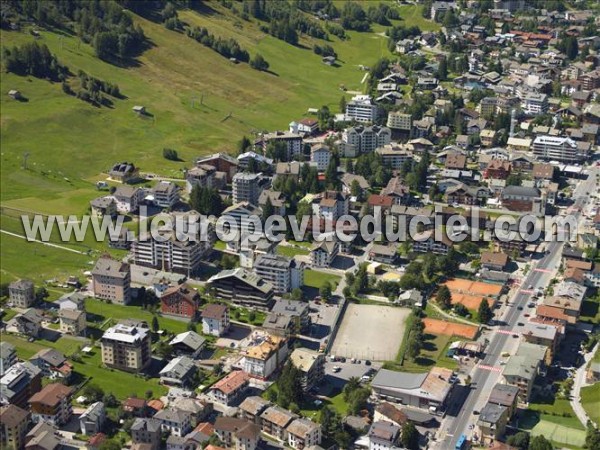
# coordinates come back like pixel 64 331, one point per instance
pixel 502 340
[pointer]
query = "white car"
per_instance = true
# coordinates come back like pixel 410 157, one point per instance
pixel 336 369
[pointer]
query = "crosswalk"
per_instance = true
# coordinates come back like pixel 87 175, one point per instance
pixel 504 332
pixel 490 368
pixel 542 270
pixel 526 291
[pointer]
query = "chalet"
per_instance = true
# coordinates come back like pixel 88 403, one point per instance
pixel 520 198
pixel 455 160
pixel 348 180
pixel 498 169
pixel 52 363
pixel 386 254
pixel 230 389
pixel 178 372
pixel 29 322
pixel 103 206
pixel 188 344
pixel 494 260
pixel 242 287
pixel 124 172
pixel 222 163
pixel 397 190
pixel 128 198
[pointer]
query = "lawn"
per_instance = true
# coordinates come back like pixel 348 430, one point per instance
pixel 287 250
pixel 563 433
pixel 316 278
pixel 432 354
pixel 590 400
pixel 99 312
pixel 37 261
pixel 413 15
pixel 121 384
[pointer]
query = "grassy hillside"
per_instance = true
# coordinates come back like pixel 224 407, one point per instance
pixel 71 143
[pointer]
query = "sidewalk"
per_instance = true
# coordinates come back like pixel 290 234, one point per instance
pixel 579 382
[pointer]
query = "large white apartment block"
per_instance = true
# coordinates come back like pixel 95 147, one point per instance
pixel 357 140
pixel 246 187
pixel 165 194
pixel 362 109
pixel 171 254
pixel 394 155
pixel 285 274
pixel 553 148
pixel 534 103
pixel 399 121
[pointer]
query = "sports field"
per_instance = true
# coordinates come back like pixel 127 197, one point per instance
pixel 559 433
pixel 435 326
pixel 370 332
pixel 470 293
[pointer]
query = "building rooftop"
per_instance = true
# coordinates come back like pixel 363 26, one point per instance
pixel 279 416
pixel 108 267
pixel 51 395
pixel 503 394
pixel 254 404
pixel 304 359
pixel 302 427
pixel 178 368
pixel 190 338
pixel 491 414
pixel 125 333
pixel 232 382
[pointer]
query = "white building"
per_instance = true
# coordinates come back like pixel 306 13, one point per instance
pixel 323 253
pixel 553 148
pixel 357 140
pixel 165 194
pixel 303 433
pixel 399 121
pixel 320 155
pixel 246 188
pixel 92 419
pixel 292 141
pixel 22 293
pixel 265 358
pixel 362 109
pixel 285 274
pixel 394 155
pixel 215 319
pixel 8 357
pixel 534 103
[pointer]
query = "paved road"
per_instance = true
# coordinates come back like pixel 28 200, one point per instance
pixel 484 380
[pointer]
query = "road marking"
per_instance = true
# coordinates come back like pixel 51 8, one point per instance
pixel 490 368
pixel 542 270
pixel 505 332
pixel 526 291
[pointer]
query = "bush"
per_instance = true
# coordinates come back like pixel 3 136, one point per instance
pixel 170 154
pixel 259 63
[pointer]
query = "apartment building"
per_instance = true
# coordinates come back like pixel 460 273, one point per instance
pixel 264 358
pixel 274 421
pixel 522 368
pixel 426 242
pixel 320 155
pixel 554 148
pixel 231 388
pixel 215 319
pixel 180 301
pixel 361 139
pixel 14 422
pixel 170 253
pixel 111 280
pixel 19 383
pixel 311 364
pixel 285 274
pixel 243 288
pixel 91 421
pixel 72 321
pixel 394 155
pixel 202 176
pixel 8 357
pixel 146 432
pixel 21 293
pixel 165 194
pixel 126 348
pixel 323 253
pixel 246 187
pixel 399 121
pixel 292 142
pixel 52 405
pixel 303 433
pixel 362 108
pixel 237 433
pixel 534 104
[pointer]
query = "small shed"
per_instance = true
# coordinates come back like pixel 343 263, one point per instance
pixel 139 109
pixel 14 94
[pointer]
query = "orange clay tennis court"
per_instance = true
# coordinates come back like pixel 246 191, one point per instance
pixel 435 326
pixel 470 301
pixel 477 288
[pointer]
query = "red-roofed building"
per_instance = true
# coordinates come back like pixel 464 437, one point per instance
pixel 229 389
pixel 385 202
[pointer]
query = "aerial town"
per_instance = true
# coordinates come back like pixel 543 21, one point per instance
pixel 472 120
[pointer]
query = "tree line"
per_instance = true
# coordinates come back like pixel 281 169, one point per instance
pixel 229 48
pixel 34 59
pixel 105 25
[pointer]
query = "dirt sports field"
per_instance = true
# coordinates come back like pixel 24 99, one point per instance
pixel 435 326
pixel 470 293
pixel 370 332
